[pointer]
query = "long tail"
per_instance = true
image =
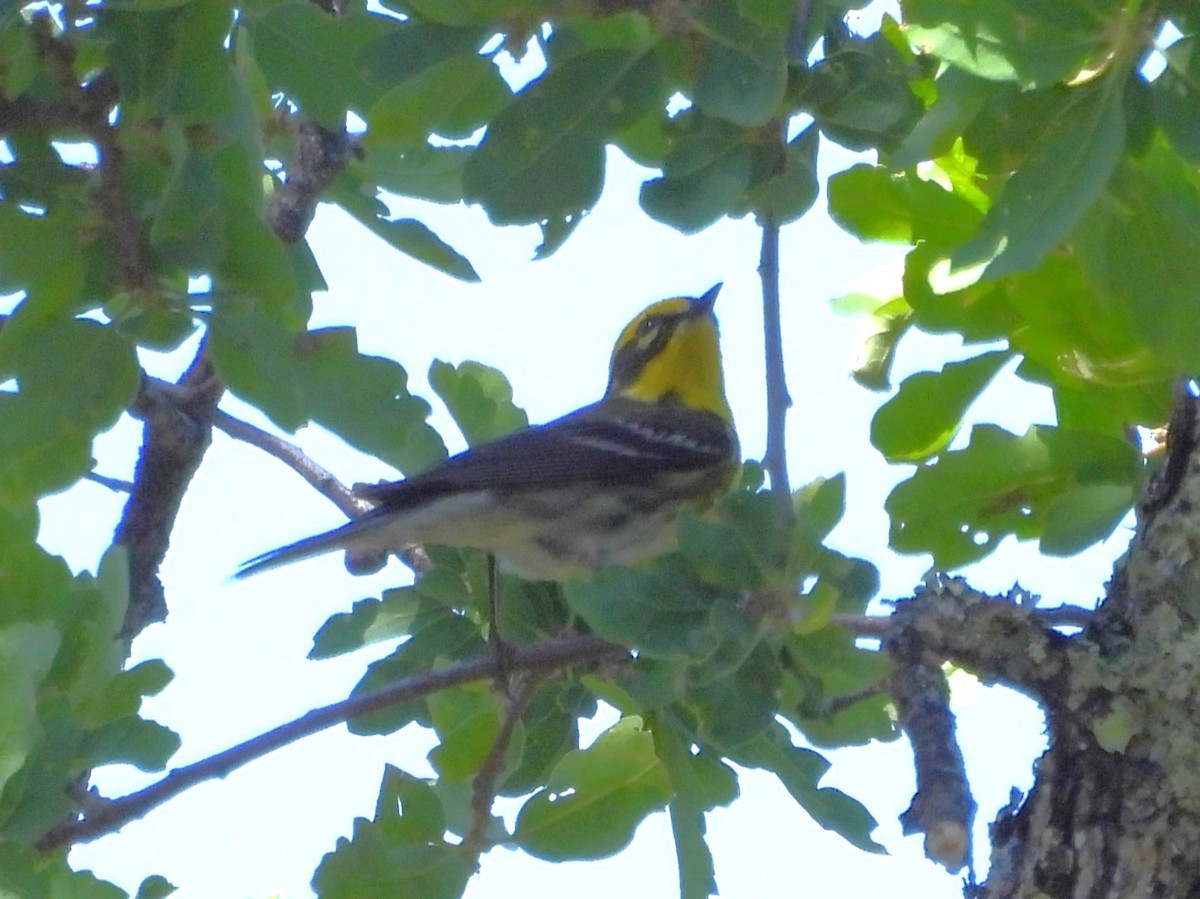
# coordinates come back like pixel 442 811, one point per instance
pixel 329 541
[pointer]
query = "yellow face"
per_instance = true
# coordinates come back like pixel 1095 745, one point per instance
pixel 671 350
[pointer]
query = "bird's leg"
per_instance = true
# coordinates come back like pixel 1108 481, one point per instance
pixel 500 649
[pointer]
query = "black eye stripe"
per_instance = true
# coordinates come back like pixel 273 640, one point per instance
pixel 650 336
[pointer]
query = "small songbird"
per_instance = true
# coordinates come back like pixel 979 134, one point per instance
pixel 600 486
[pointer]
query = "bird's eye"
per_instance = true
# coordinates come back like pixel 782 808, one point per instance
pixel 648 325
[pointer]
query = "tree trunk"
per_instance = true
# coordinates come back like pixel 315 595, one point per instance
pixel 1115 808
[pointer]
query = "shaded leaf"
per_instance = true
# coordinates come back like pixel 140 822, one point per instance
pixel 927 411
pixel 452 98
pixel 297 377
pixel 543 156
pixel 479 398
pixel 743 68
pixel 596 797
pixel 999 485
pixel 800 770
pixel 1047 196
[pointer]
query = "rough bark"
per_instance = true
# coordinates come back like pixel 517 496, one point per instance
pixel 1115 809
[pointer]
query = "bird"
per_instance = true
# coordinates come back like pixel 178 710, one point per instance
pixel 600 486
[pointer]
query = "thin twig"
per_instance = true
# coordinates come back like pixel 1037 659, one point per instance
pixel 876 626
pixel 351 503
pixel 295 458
pixel 840 703
pixel 483 787
pixel 110 817
pixel 116 485
pixel 778 401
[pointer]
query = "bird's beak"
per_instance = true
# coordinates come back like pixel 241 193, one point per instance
pixel 704 304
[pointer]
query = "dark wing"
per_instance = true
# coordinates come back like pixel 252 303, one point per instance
pixel 622 444
pixel 588 445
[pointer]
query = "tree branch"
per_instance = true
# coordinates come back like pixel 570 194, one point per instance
pixel 483 787
pixel 943 808
pixel 350 502
pixel 320 156
pixel 778 401
pixel 878 627
pixel 91 107
pixel 294 458
pixel 114 814
pixel 177 433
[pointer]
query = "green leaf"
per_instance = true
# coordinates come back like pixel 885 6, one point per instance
pixel 701 782
pixel 1177 97
pixel 369 621
pixel 196 81
pixel 123 694
pixel 75 379
pixel 479 399
pixel 366 867
pixel 800 770
pixel 999 485
pixel 1064 172
pixel 408 810
pixel 596 797
pixel 548 731
pixel 791 190
pixel 866 721
pixel 18 61
pixel 827 666
pixel 1139 254
pixel 26 654
pixel 438 636
pixel 297 377
pixel 409 236
pixel 467 720
pixel 888 321
pixel 927 411
pixel 40 254
pixel 543 156
pixel 718 553
pixel 255 263
pixel 732 703
pixel 147 745
pixel 1083 515
pixel 416 239
pixel 820 505
pixel 314 57
pixel 27 873
pixel 760 525
pixel 859 93
pixel 452 98
pixel 155 887
pixel 743 67
pixel 426 172
pixel 662 609
pixel 705 176
pixel 403 50
pixel 960 96
pixel 1033 43
pixel 873 204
